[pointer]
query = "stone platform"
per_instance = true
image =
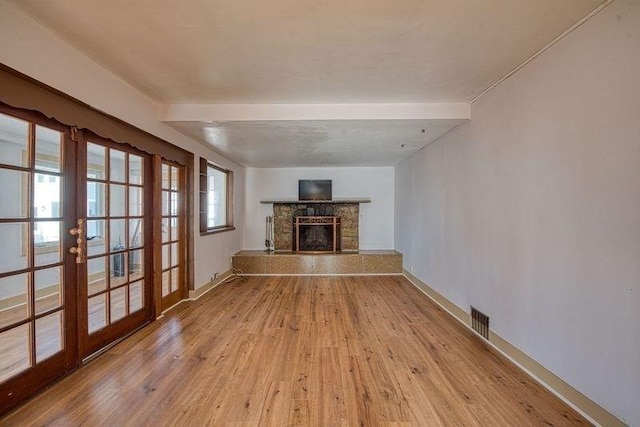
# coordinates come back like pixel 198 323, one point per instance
pixel 360 262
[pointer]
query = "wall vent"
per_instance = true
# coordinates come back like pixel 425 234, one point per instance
pixel 480 322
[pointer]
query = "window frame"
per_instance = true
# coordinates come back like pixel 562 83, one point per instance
pixel 204 198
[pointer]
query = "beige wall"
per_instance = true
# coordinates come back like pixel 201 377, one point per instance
pixel 31 49
pixel 531 211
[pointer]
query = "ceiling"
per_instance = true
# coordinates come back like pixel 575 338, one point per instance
pixel 318 142
pixel 250 52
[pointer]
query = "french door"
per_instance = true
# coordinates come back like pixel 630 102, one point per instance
pixel 173 229
pixel 38 338
pixel 76 259
pixel 116 220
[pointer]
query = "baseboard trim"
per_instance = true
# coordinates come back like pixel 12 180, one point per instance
pixel 556 385
pixel 322 274
pixel 197 293
pixel 170 308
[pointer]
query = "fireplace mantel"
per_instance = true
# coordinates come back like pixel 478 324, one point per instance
pixel 303 202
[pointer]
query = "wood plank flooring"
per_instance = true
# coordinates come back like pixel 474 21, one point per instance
pixel 309 351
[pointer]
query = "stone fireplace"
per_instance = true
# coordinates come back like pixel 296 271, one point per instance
pixel 346 211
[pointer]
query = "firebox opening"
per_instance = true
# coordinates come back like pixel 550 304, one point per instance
pixel 316 234
pixel 316 238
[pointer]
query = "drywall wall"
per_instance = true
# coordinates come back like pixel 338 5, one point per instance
pixel 376 183
pixel 35 51
pixel 530 212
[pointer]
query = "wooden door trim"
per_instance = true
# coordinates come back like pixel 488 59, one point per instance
pixel 28 93
pixel 81 212
pixel 157 234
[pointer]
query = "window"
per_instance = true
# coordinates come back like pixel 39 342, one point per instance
pixel 216 198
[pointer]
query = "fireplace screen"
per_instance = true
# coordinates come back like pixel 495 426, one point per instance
pixel 316 234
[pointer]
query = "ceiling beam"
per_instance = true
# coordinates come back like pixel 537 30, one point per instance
pixel 272 112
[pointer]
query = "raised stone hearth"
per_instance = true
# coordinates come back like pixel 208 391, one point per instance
pixel 362 262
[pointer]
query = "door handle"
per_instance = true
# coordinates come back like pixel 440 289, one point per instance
pixel 80 250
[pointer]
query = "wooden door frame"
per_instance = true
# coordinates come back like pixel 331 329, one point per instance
pixel 157 229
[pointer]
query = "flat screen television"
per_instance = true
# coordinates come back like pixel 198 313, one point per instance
pixel 314 189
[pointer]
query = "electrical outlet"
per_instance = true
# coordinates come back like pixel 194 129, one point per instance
pixel 213 278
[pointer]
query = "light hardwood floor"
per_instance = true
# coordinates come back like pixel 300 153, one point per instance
pixel 325 351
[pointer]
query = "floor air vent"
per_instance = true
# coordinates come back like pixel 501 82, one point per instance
pixel 480 322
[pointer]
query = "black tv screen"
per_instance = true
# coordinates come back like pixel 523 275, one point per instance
pixel 318 189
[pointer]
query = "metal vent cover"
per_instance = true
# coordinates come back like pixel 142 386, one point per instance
pixel 480 322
